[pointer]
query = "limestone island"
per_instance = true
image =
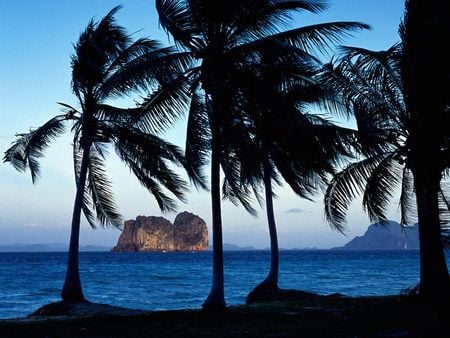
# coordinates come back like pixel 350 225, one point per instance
pixel 151 233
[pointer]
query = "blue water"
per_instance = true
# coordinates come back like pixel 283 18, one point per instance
pixel 157 281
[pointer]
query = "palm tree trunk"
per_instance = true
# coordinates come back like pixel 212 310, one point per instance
pixel 72 290
pixel 426 78
pixel 271 281
pixel 434 278
pixel 216 297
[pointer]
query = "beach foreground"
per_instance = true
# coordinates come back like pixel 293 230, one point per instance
pixel 318 316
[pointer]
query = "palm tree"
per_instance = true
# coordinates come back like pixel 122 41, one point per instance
pixel 106 64
pixel 281 140
pixel 221 36
pixel 426 82
pixel 404 143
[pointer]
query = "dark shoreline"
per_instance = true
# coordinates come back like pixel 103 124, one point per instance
pixel 320 316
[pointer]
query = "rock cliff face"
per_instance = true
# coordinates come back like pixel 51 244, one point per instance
pixel 149 233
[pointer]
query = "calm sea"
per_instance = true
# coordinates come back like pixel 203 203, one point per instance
pixel 157 281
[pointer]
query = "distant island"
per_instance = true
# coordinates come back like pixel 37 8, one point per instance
pixel 49 247
pixel 195 238
pixel 390 236
pixel 234 247
pixel 150 233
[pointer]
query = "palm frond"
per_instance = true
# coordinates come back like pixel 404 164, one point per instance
pixel 175 18
pixel 86 201
pixel 136 49
pixel 234 188
pixel 113 114
pixel 256 19
pixel 197 141
pixel 165 203
pixel 377 107
pixel 149 71
pixel 407 205
pixel 319 38
pixel 238 195
pixel 381 185
pixel 28 148
pixel 377 62
pixel 444 213
pixel 69 111
pixel 162 107
pixel 97 47
pixel 148 157
pixel 344 187
pixel 132 69
pixel 100 191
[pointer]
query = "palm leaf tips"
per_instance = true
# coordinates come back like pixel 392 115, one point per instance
pixel 28 148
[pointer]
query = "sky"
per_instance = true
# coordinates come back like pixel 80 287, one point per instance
pixel 36 42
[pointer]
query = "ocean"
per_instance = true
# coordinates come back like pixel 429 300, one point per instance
pixel 173 280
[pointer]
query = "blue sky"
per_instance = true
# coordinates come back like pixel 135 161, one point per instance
pixel 36 41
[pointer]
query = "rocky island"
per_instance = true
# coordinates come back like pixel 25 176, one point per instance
pixel 151 233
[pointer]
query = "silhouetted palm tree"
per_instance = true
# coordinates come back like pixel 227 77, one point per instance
pixel 402 115
pixel 106 64
pixel 280 139
pixel 221 36
pixel 426 84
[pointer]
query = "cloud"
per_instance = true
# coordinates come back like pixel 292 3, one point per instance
pixel 31 225
pixel 294 211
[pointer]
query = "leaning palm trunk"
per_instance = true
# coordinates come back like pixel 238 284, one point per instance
pixel 434 277
pixel 216 297
pixel 271 281
pixel 72 290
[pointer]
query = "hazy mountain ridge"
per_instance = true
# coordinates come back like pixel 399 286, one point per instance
pixel 390 236
pixel 376 237
pixel 49 247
